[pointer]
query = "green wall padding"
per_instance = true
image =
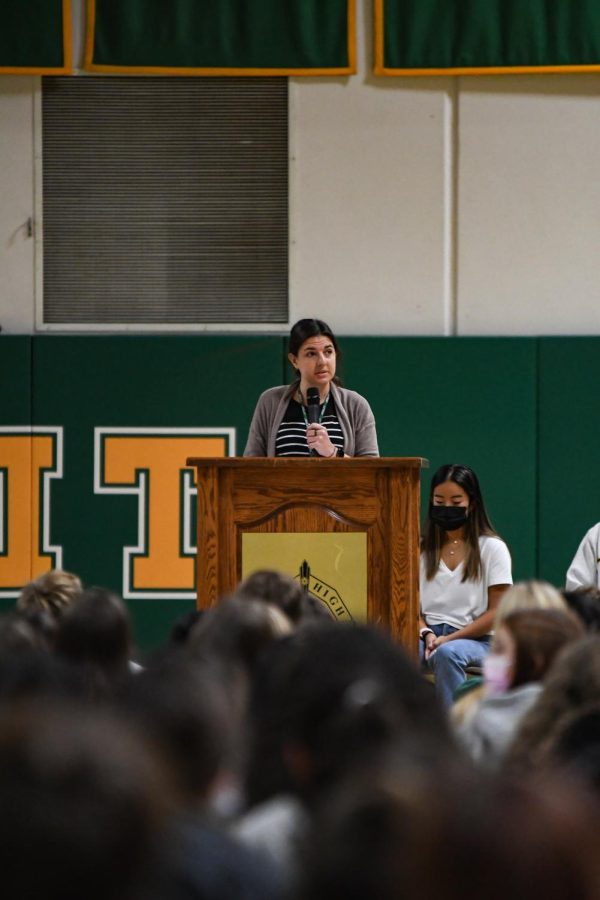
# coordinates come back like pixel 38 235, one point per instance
pixel 465 400
pixel 15 380
pixel 569 469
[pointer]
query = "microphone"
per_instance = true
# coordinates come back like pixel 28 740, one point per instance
pixel 312 405
pixel 312 409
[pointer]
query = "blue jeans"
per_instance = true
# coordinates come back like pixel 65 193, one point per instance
pixel 448 662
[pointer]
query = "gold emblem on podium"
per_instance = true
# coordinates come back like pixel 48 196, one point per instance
pixel 331 567
pixel 324 594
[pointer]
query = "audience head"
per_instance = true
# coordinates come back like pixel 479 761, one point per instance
pixel 95 635
pixel 19 635
pixel 182 627
pixel 276 588
pixel 238 630
pixel 81 803
pixel 333 698
pixel 187 712
pixel 571 686
pixel 53 592
pixel 525 645
pixel 585 603
pixel 529 594
pixel 34 674
pixel 576 746
pixel 27 667
pixel 476 836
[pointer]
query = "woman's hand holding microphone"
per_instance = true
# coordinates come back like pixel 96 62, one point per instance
pixel 318 440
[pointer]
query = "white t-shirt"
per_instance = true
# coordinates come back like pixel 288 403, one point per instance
pixel 585 568
pixel 447 599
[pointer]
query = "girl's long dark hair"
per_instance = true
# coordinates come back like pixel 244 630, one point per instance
pixel 302 331
pixel 477 524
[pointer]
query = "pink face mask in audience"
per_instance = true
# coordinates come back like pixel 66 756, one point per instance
pixel 497 673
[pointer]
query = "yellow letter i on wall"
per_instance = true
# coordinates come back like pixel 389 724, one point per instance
pixel 29 459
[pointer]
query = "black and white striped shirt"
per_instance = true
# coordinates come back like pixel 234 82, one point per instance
pixel 291 434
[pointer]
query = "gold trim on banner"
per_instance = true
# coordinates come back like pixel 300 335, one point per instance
pixel 90 66
pixel 90 26
pixel 454 71
pixel 67 66
pixel 378 33
pixel 490 70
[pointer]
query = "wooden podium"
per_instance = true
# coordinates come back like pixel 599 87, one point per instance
pixel 371 496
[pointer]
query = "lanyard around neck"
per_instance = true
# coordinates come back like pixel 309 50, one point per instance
pixel 321 414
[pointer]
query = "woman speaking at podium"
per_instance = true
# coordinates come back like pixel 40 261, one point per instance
pixel 314 416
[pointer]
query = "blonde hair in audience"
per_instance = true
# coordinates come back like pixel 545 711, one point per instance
pixel 53 592
pixel 529 594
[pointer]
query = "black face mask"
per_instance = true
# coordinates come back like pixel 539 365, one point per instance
pixel 449 517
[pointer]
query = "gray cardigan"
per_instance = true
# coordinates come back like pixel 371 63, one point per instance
pixel 354 414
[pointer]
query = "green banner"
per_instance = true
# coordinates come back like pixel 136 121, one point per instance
pixel 479 36
pixel 221 36
pixel 35 36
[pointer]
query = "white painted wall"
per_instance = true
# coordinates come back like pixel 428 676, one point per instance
pixel 16 204
pixel 529 205
pixel 417 206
